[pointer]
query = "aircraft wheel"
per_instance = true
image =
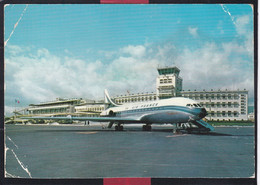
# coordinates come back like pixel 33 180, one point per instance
pixel 119 128
pixel 178 131
pixel 147 128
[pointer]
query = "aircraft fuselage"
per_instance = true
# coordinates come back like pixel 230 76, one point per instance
pixel 173 110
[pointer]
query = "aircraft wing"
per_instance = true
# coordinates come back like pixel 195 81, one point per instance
pixel 96 119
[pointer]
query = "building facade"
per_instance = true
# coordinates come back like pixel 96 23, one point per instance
pixel 132 98
pixel 90 108
pixel 222 105
pixel 168 82
pixel 57 107
pixel 63 107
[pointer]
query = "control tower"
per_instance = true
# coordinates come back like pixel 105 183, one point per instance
pixel 168 83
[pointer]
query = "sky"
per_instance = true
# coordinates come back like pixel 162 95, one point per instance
pixel 77 51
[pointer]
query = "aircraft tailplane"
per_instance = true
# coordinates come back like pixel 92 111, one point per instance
pixel 108 99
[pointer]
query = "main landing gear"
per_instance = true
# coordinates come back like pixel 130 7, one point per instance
pixel 119 128
pixel 147 127
pixel 176 131
pixel 181 127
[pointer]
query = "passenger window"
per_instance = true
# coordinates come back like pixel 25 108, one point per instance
pixel 195 105
pixel 188 105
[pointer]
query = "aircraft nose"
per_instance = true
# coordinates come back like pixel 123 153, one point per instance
pixel 203 113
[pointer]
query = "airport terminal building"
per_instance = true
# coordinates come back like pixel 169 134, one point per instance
pixel 168 84
pixel 222 105
pixel 227 105
pixel 60 106
pixel 64 107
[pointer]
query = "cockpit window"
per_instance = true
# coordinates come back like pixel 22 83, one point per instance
pixel 193 105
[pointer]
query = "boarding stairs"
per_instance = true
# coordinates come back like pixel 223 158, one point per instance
pixel 202 126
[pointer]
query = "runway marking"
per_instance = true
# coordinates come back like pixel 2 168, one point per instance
pixel 86 132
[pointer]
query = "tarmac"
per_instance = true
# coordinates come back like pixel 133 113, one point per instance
pixel 93 151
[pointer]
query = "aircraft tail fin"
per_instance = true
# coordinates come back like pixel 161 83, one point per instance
pixel 108 99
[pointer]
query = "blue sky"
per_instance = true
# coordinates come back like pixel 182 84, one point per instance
pixel 78 50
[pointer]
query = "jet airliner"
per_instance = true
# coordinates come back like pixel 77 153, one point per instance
pixel 176 110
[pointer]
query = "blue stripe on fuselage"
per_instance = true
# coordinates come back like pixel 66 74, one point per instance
pixel 138 112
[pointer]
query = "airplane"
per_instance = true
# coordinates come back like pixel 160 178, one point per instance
pixel 182 112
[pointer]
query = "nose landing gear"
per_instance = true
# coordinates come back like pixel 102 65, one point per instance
pixel 181 127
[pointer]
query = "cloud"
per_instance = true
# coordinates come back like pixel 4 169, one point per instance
pixel 38 76
pixel 9 110
pixel 216 67
pixel 135 51
pixel 244 30
pixel 193 31
pixel 15 50
pixel 35 76
pixel 107 54
pixel 220 27
pixel 242 24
